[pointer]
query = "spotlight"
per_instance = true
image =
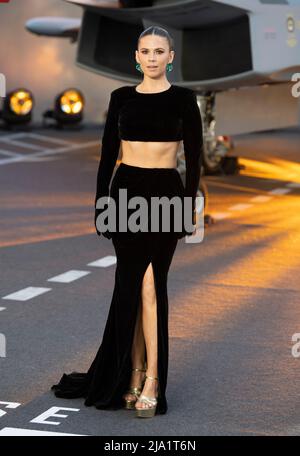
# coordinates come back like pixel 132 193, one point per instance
pixel 68 108
pixel 17 107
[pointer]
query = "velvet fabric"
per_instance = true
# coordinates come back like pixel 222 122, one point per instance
pixel 170 115
pixel 109 375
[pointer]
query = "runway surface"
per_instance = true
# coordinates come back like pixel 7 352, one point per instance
pixel 234 311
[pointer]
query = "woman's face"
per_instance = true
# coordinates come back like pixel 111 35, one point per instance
pixel 154 52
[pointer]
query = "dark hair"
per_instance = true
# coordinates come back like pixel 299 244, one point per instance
pixel 155 30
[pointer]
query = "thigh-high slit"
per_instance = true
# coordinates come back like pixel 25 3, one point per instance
pixel 108 377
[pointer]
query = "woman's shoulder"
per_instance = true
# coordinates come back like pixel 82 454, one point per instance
pixel 127 89
pixel 183 90
pixel 121 91
pixel 184 95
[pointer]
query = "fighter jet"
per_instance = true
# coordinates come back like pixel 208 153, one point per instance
pixel 240 56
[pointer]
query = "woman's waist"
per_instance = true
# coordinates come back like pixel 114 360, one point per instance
pixel 128 169
pixel 150 154
pixel 147 181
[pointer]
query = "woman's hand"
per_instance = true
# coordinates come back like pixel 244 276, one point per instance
pixel 194 222
pixel 187 233
pixel 106 233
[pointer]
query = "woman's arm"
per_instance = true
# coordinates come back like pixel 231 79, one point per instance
pixel 109 154
pixel 193 147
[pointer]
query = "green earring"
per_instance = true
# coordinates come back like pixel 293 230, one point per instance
pixel 138 67
pixel 169 67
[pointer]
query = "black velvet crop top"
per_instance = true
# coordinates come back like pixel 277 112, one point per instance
pixel 170 115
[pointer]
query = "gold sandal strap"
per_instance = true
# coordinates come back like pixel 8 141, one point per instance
pixel 153 378
pixel 147 399
pixel 133 390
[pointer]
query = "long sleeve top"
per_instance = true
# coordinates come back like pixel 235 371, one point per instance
pixel 170 115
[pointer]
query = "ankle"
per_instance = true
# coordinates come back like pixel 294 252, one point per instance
pixel 153 377
pixel 137 376
pixel 138 364
pixel 151 383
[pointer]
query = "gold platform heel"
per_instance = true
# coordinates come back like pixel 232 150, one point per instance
pixel 148 412
pixel 136 391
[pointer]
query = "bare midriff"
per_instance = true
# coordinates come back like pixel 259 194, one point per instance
pixel 150 154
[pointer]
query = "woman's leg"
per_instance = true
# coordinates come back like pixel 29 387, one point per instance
pixel 149 321
pixel 145 332
pixel 137 355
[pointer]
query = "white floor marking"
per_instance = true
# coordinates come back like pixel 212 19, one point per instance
pixel 20 431
pixel 26 293
pixel 220 215
pixel 23 144
pixel 8 405
pixel 69 276
pixel 18 142
pixel 2 308
pixel 9 153
pixel 239 207
pixel 2 346
pixel 52 412
pixel 29 158
pixel 50 138
pixel 260 199
pixel 104 262
pixel 293 184
pixel 49 151
pixel 13 135
pixel 279 191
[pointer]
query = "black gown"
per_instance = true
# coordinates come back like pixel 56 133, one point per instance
pixel 170 115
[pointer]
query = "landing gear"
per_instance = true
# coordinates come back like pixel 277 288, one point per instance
pixel 216 148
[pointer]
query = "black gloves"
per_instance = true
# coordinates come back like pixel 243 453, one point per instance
pixel 106 233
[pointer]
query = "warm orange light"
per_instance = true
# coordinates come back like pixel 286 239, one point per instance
pixel 275 168
pixel 71 102
pixel 21 102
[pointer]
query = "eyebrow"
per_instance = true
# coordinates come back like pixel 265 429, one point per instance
pixel 155 49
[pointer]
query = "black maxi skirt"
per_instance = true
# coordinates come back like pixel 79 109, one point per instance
pixel 109 374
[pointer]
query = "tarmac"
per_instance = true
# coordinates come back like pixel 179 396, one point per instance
pixel 234 313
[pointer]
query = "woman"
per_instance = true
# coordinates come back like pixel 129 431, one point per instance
pixel 149 120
